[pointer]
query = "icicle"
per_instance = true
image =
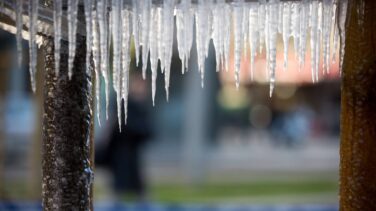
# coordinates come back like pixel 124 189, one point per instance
pixel 153 40
pixel 272 41
pixel 218 32
pixel 168 23
pixel 327 23
pixel 238 33
pixel 160 40
pixel 97 62
pixel 245 25
pixel 226 31
pixel 126 59
pixel 136 28
pixel 202 34
pixel 116 46
pixel 295 25
pixel 184 32
pixel 342 8
pixel 72 28
pixel 209 29
pixel 281 7
pixel 58 12
pixel 180 36
pixel 304 21
pixel 33 13
pixel 266 34
pixel 19 5
pixel 88 19
pixel 318 43
pixel 145 25
pixel 286 32
pixel 103 36
pixel 314 37
pixel 188 27
pixel 254 35
pixel 261 23
pixel 334 32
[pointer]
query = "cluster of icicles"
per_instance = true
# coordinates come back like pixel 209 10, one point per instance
pixel 252 25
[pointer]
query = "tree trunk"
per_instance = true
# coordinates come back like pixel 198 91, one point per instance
pixel 67 132
pixel 358 116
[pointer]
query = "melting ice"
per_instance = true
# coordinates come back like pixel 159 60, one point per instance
pixel 252 27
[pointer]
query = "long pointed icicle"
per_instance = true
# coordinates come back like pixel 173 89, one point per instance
pixel 184 32
pixel 254 35
pixel 168 22
pixel 126 59
pixel 318 43
pixel 116 46
pixel 180 36
pixel 202 35
pixel 261 23
pixel 72 29
pixel 154 49
pixel 327 23
pixel 145 26
pixel 245 26
pixel 136 28
pixel 160 39
pixel 295 26
pixel 304 20
pixel 286 31
pixel 342 7
pixel 334 32
pixel 33 13
pixel 313 35
pixel 219 32
pixel 88 19
pixel 103 36
pixel 19 7
pixel 272 39
pixel 58 12
pixel 238 33
pixel 97 62
pixel 226 31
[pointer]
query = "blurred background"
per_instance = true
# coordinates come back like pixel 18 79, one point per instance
pixel 212 145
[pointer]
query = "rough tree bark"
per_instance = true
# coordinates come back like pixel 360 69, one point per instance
pixel 358 115
pixel 67 132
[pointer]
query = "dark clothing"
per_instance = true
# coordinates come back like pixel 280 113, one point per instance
pixel 123 153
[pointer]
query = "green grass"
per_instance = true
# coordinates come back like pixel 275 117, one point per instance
pixel 324 191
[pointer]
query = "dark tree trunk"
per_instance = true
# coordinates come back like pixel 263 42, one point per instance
pixel 67 132
pixel 358 115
